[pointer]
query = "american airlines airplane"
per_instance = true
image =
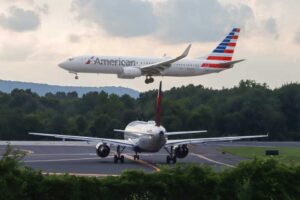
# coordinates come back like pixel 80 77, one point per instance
pixel 150 136
pixel 131 67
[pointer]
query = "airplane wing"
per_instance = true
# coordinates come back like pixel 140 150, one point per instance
pixel 113 142
pixel 213 139
pixel 157 68
pixel 185 132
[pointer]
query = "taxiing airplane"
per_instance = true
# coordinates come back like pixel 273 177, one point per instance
pixel 131 67
pixel 141 136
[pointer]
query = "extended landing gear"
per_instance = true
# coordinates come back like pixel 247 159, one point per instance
pixel 149 79
pixel 76 77
pixel 171 157
pixel 136 156
pixel 118 156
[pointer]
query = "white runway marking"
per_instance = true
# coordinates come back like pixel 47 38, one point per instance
pixel 61 160
pixel 213 161
pixel 79 174
pixel 64 154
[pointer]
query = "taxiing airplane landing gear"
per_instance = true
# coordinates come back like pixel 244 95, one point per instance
pixel 119 157
pixel 136 156
pixel 76 76
pixel 149 79
pixel 172 156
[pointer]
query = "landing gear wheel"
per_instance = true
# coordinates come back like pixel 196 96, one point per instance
pixel 136 157
pixel 118 156
pixel 174 159
pixel 76 77
pixel 149 79
pixel 116 159
pixel 171 157
pixel 122 159
pixel 168 159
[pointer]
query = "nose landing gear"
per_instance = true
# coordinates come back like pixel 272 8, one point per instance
pixel 136 156
pixel 149 79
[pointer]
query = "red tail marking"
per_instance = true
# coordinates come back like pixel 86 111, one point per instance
pixel 213 65
pixel 228 51
pixel 158 106
pixel 218 58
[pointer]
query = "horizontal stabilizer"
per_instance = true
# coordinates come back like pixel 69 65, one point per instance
pixel 231 62
pixel 135 132
pixel 185 132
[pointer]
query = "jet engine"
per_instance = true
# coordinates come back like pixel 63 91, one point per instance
pixel 130 73
pixel 181 151
pixel 102 150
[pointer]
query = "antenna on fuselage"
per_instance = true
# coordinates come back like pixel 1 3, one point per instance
pixel 158 105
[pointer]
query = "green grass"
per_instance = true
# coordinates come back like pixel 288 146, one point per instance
pixel 290 155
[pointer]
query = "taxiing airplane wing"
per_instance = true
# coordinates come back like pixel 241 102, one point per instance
pixel 185 132
pixel 213 139
pixel 157 68
pixel 124 143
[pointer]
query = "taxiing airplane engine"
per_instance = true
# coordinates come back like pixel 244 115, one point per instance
pixel 130 73
pixel 181 151
pixel 103 150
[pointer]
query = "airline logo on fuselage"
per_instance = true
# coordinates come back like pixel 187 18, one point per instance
pixel 111 62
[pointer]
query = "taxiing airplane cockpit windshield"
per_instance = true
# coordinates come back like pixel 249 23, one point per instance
pixel 70 59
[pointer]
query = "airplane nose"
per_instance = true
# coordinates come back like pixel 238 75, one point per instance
pixel 62 65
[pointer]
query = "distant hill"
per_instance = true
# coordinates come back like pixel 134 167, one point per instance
pixel 42 89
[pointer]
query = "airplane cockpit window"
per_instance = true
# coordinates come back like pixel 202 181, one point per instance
pixel 70 59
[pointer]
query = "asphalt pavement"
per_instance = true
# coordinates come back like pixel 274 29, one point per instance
pixel 80 157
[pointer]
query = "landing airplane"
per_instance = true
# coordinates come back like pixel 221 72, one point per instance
pixel 141 136
pixel 131 67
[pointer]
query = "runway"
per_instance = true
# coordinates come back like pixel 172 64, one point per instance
pixel 80 158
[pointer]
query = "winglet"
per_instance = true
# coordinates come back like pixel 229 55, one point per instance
pixel 186 51
pixel 158 105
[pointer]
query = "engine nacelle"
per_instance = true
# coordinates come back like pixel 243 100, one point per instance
pixel 102 150
pixel 130 73
pixel 181 151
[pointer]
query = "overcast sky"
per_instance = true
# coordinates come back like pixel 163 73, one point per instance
pixel 35 35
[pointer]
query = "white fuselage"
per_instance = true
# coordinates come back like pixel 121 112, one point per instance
pixel 153 141
pixel 123 65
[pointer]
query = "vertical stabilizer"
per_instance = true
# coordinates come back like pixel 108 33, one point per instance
pixel 158 105
pixel 224 51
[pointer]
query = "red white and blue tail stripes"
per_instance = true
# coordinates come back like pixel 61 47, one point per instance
pixel 224 51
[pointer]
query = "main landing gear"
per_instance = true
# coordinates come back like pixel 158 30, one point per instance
pixel 171 157
pixel 149 79
pixel 136 156
pixel 118 156
pixel 76 77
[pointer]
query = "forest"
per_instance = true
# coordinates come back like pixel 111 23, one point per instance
pixel 247 109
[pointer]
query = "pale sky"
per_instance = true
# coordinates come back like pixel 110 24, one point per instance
pixel 35 35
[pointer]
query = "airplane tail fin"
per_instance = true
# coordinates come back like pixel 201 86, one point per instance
pixel 221 56
pixel 158 105
pixel 224 51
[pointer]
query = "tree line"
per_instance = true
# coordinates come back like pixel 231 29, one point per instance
pixel 256 179
pixel 249 108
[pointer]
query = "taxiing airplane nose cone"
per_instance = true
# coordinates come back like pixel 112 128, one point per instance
pixel 62 65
